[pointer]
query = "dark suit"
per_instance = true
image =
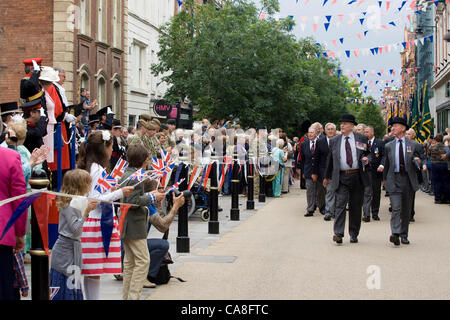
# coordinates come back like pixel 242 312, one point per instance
pixel 307 167
pixel 372 193
pixel 401 187
pixel 320 165
pixel 349 187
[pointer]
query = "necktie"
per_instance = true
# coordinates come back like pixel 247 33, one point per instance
pixel 312 148
pixel 370 145
pixel 348 153
pixel 401 158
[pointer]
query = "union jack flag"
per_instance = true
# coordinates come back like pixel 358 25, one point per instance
pixel 119 169
pixel 104 183
pixel 139 175
pixel 175 186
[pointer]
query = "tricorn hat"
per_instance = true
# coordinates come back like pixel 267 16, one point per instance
pixel 347 117
pixel 401 121
pixel 103 111
pixel 93 118
pixel 8 107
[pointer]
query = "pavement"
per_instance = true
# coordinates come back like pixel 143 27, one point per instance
pixel 275 253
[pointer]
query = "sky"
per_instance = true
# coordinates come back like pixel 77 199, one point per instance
pixel 382 25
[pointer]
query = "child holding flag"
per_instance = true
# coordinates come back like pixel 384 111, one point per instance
pixel 66 252
pixel 134 234
pixel 100 240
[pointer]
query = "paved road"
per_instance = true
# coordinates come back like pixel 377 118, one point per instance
pixel 275 252
pixel 278 253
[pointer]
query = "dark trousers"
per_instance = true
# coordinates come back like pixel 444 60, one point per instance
pixel 157 249
pixel 6 273
pixel 376 193
pixel 351 191
pixel 401 202
pixel 439 175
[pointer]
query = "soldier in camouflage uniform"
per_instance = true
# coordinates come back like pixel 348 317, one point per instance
pixel 151 143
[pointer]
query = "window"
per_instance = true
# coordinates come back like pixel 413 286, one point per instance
pixel 116 99
pixel 102 20
pixel 85 82
pixel 138 53
pixel 447 89
pixel 117 23
pixel 85 17
pixel 131 120
pixel 101 93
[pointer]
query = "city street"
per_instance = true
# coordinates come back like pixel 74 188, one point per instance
pixel 275 252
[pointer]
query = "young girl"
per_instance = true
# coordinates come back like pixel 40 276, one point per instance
pixel 66 254
pixel 94 157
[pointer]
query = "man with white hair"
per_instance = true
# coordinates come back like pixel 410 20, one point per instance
pixel 319 128
pixel 307 151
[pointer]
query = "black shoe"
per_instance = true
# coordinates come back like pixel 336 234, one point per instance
pixel 337 239
pixel 366 219
pixel 353 240
pixel 322 212
pixel 405 240
pixel 327 217
pixel 438 202
pixel 376 218
pixel 412 220
pixel 390 209
pixel 395 240
pixel 309 214
pixel 219 210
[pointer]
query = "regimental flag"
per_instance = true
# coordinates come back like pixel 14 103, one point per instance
pixel 105 182
pixel 119 169
pixel 390 117
pixel 139 175
pixel 427 124
pixel 413 122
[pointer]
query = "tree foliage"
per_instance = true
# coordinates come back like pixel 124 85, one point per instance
pixel 234 65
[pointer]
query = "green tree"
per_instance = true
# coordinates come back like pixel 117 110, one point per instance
pixel 370 114
pixel 234 65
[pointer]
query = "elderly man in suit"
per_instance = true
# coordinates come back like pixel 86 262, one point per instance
pixel 347 159
pixel 402 157
pixel 372 193
pixel 321 155
pixel 307 151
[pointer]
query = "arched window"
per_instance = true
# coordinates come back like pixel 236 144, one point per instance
pixel 101 92
pixel 116 103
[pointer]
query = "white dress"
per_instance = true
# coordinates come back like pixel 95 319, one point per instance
pixel 94 260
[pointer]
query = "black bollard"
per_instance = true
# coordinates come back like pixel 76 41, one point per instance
pixel 183 238
pixel 40 282
pixel 262 185
pixel 250 185
pixel 213 223
pixel 234 212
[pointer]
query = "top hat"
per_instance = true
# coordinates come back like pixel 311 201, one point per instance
pixel 29 62
pixel 49 74
pixel 401 121
pixel 347 117
pixel 8 107
pixel 32 105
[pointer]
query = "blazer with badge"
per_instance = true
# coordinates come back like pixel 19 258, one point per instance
pixel 377 153
pixel 333 170
pixel 307 162
pixel 320 159
pixel 412 150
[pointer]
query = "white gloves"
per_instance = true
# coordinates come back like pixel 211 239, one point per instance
pixel 69 118
pixel 42 111
pixel 36 66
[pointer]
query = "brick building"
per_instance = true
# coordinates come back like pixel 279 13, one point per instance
pixel 86 38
